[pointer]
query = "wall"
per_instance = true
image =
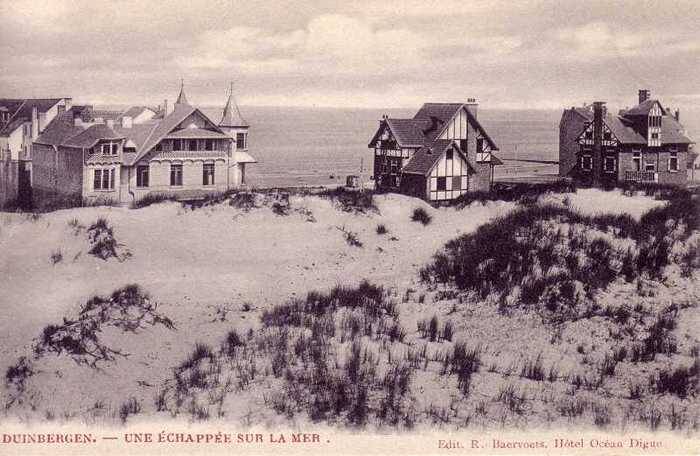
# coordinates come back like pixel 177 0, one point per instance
pixel 192 173
pixel 57 176
pixel 450 169
pixel 661 158
pixel 9 178
pixel 570 126
pixel 480 181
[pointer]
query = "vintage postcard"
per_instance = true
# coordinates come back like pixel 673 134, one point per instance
pixel 327 227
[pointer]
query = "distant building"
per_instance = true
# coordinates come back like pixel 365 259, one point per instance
pixel 180 152
pixel 439 154
pixel 21 122
pixel 644 144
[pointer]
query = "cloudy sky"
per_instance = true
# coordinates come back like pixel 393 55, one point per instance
pixel 511 54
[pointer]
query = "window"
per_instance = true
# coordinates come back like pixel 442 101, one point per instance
pixel 456 182
pixel 441 183
pixel 142 176
pixel 98 180
pixel 110 148
pixel 192 144
pixel 208 174
pixel 177 144
pixel 650 166
pixel 448 155
pixel 607 136
pixel 637 161
pixel 175 175
pixel 654 135
pixel 241 141
pixel 103 179
pixel 479 145
pixel 588 134
pixel 586 163
pixel 209 144
pixel 609 164
pixel 673 162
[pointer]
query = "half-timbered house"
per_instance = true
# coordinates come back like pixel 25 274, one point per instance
pixel 439 154
pixel 644 144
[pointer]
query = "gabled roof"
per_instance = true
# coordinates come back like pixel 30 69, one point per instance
pixel 408 132
pixel 138 133
pixel 92 135
pixel 23 110
pixel 135 111
pixel 426 157
pixel 59 130
pixel 12 125
pixel 643 108
pixel 166 126
pixel 436 116
pixel 627 131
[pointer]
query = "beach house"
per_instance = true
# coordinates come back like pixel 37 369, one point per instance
pixel 643 144
pixel 439 154
pixel 179 152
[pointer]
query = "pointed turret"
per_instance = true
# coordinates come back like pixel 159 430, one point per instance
pixel 231 116
pixel 182 99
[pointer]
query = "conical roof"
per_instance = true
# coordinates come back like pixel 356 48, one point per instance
pixel 231 116
pixel 182 99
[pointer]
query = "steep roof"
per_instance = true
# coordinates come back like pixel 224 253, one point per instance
pixel 134 111
pixel 186 133
pixel 63 132
pixel 59 130
pixel 627 131
pixel 643 108
pixel 231 117
pixel 426 157
pixel 23 110
pixel 408 132
pixel 182 99
pixel 91 136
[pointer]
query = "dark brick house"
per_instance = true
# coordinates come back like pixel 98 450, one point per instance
pixel 439 154
pixel 644 144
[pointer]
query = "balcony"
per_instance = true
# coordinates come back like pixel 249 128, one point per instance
pixel 641 176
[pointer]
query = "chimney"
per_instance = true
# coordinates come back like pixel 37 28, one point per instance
pixel 110 123
pixel 472 106
pixel 599 112
pixel 35 122
pixel 677 115
pixel 127 121
pixel 644 95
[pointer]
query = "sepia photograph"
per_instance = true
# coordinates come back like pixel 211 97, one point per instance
pixel 327 227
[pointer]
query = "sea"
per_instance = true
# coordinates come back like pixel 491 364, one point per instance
pixel 322 146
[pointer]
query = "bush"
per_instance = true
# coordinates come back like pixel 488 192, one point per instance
pixel 350 200
pixel 381 229
pixel 56 256
pixel 131 407
pixel 421 215
pixel 522 192
pixel 525 258
pixel 104 245
pixel 152 198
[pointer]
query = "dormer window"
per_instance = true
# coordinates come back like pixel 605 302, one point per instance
pixel 110 149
